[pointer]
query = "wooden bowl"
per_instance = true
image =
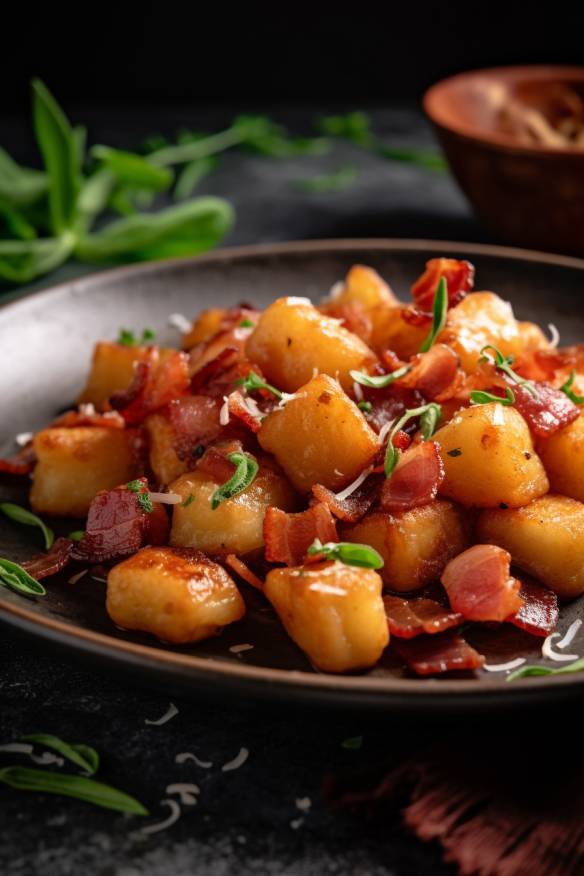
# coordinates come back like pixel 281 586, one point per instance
pixel 529 195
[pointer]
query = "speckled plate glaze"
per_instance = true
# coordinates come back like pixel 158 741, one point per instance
pixel 45 344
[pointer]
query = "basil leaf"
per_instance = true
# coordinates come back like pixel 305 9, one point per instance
pixel 82 755
pixel 329 182
pixel 184 229
pixel 192 174
pixel 429 420
pixel 478 397
pixel 78 787
pixel 439 314
pixel 379 381
pixel 59 149
pixel 27 518
pixel 525 671
pixel 133 170
pixel 244 474
pixel 253 382
pixel 347 552
pixel 391 458
pixel 20 186
pixel 567 389
pixel 16 578
pixel 23 260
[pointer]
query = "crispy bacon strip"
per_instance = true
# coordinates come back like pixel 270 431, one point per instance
pixel 155 384
pixel 433 655
pixel 87 417
pixel 415 480
pixel 51 562
pixel 214 369
pixel 244 572
pixel 117 526
pixel 214 461
pixel 243 409
pixel 433 373
pixel 459 276
pixel 547 411
pixel 540 612
pixel 288 536
pixel 195 422
pixel 355 506
pixel 21 464
pixel 408 618
pixel 480 586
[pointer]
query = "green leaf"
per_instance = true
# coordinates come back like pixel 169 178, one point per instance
pixel 192 174
pixel 524 671
pixel 23 260
pixel 365 406
pixel 16 578
pixel 346 552
pixel 429 418
pixel 78 787
pixel 439 313
pixel 76 535
pixel 82 755
pixel 379 382
pixel 253 382
pixel 244 474
pixel 354 127
pixel 133 170
pixel 15 222
pixel 27 518
pixel 478 397
pixel 329 182
pixel 503 364
pixel 93 198
pixel 59 148
pixel 185 229
pixel 567 389
pixel 142 495
pixel 20 186
pixel 128 338
pixel 422 158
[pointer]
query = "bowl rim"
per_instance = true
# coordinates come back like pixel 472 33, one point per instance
pixel 432 104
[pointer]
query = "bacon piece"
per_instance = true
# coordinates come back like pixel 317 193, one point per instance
pixel 51 562
pixel 355 506
pixel 540 612
pixel 433 373
pixel 546 412
pixel 244 572
pixel 354 319
pixel 433 655
pixel 118 526
pixel 415 317
pixel 155 384
pixel 459 276
pixel 214 461
pixel 85 416
pixel 243 408
pixel 195 422
pixel 215 368
pixel 480 586
pixel 407 618
pixel 288 536
pixel 415 480
pixel 21 464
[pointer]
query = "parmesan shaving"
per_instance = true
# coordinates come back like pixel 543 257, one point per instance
pixel 165 498
pixel 293 299
pixel 288 397
pixel 183 756
pixel 75 578
pixel 357 391
pixel 23 438
pixel 168 822
pixel 327 588
pixel 239 649
pixel 498 416
pixel 237 761
pixel 547 651
pixel 296 823
pixel 180 323
pixel 504 667
pixel 46 758
pixel 224 412
pixel 252 407
pixel 348 491
pixel 555 335
pixel 186 792
pixel 570 634
pixel 303 803
pixel 335 291
pixel 87 410
pixel 170 713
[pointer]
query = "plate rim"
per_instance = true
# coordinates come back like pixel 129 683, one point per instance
pixel 263 680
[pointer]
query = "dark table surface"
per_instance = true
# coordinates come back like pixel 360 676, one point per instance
pixel 252 820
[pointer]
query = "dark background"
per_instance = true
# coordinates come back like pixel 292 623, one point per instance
pixel 253 53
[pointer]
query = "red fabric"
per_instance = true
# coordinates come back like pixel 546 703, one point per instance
pixel 288 536
pixel 459 276
pixel 407 618
pixel 51 562
pixel 480 586
pixel 415 480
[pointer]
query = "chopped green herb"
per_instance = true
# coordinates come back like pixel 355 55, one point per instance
pixel 253 382
pixel 27 518
pixel 244 474
pixel 503 364
pixel 346 552
pixel 246 323
pixel 365 406
pixel 128 339
pixel 478 397
pixel 329 182
pixel 354 127
pixel 79 787
pixel 353 743
pixel 525 671
pixel 82 755
pixel 567 389
pixel 429 418
pixel 439 313
pixel 16 578
pixel 188 501
pixel 379 381
pixel 456 452
pixel 420 157
pixel 142 495
pixel 76 535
